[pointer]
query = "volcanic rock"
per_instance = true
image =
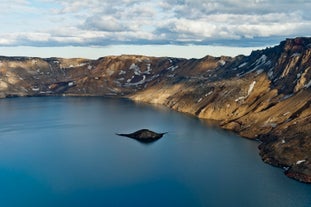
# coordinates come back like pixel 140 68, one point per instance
pixel 144 135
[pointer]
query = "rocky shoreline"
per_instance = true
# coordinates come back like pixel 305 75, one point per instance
pixel 264 96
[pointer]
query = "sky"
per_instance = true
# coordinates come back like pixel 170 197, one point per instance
pixel 179 28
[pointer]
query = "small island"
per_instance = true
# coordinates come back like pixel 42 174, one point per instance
pixel 144 135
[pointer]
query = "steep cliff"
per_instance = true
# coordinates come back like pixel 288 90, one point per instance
pixel 264 96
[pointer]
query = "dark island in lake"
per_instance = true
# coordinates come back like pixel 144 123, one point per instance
pixel 144 135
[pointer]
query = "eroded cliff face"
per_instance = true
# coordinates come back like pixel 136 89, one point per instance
pixel 264 96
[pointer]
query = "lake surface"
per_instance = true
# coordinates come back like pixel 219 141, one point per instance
pixel 63 151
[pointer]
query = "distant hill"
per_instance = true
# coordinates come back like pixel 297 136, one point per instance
pixel 264 96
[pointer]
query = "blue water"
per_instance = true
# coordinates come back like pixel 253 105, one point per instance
pixel 63 151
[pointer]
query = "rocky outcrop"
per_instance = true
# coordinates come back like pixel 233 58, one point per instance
pixel 264 96
pixel 144 135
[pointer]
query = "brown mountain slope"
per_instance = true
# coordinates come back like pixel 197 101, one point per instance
pixel 264 96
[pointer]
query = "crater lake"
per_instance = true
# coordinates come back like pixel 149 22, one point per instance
pixel 64 151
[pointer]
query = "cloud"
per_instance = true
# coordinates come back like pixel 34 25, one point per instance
pixel 200 22
pixel 103 23
pixel 235 27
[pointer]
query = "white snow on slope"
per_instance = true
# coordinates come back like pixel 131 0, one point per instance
pixel 172 68
pixel 137 83
pixel 261 60
pixel 308 84
pixel 148 71
pixel 250 89
pixel 300 161
pixel 222 62
pixel 135 68
pixel 242 65
pixel 122 72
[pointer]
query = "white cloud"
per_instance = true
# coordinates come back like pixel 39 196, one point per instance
pixel 98 22
pixel 103 23
pixel 234 27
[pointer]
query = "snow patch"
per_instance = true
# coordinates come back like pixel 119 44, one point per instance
pixel 142 81
pixel 258 63
pixel 287 96
pixel 296 54
pixel 114 90
pixel 172 68
pixel 268 62
pixel 70 84
pixel 251 87
pixel 122 72
pixel 137 83
pixel 135 68
pixel 286 113
pixel 242 65
pixel 300 161
pixel 261 60
pixel 285 168
pixel 148 69
pixel 308 84
pixel 240 98
pixel 222 62
pixel 120 79
pixel 259 71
